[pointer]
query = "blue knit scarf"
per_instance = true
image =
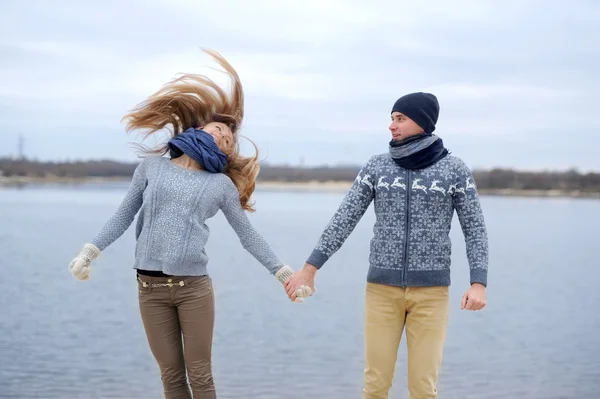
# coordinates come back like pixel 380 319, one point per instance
pixel 201 147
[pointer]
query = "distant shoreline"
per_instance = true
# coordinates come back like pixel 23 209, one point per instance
pixel 320 186
pixel 344 186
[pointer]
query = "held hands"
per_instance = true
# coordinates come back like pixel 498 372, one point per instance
pixel 303 279
pixel 81 266
pixel 303 291
pixel 474 299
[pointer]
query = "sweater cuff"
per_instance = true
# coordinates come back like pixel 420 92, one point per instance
pixel 479 275
pixel 317 258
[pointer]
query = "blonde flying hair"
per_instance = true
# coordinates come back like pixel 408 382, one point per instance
pixel 193 100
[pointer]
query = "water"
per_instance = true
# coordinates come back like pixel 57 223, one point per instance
pixel 61 338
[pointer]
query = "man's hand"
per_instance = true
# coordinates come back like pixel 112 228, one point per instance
pixel 304 276
pixel 474 299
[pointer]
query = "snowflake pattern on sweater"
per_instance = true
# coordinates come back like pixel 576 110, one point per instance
pixel 414 210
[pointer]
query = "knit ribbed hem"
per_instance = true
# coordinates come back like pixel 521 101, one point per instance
pixel 479 275
pixel 317 258
pixel 413 278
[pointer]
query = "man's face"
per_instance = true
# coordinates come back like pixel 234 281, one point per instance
pixel 403 127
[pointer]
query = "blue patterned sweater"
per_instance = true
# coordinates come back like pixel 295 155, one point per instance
pixel 414 210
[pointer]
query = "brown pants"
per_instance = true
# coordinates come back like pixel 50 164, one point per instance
pixel 423 311
pixel 173 308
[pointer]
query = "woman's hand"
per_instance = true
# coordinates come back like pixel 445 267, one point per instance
pixel 303 277
pixel 81 266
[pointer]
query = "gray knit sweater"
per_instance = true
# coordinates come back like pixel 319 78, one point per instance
pixel 414 209
pixel 174 204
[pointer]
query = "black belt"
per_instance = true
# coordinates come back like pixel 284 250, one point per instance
pixel 152 273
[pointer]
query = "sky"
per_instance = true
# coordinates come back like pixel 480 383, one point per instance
pixel 517 80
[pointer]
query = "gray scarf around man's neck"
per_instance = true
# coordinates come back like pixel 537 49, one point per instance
pixel 418 152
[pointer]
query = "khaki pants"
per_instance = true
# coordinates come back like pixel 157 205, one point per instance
pixel 424 312
pixel 178 316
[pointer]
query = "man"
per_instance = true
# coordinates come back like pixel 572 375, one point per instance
pixel 416 187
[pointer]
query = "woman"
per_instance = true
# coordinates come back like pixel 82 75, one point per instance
pixel 175 197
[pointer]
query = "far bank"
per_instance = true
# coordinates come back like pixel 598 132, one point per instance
pixel 275 185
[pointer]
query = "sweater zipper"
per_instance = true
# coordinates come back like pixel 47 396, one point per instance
pixel 406 226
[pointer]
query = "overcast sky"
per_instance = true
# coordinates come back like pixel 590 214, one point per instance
pixel 517 80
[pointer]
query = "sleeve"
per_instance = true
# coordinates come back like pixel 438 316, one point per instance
pixel 251 239
pixel 123 217
pixel 353 207
pixel 470 215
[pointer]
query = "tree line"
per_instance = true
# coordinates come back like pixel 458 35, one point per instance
pixel 493 179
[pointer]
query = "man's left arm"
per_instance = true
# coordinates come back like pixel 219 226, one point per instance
pixel 472 222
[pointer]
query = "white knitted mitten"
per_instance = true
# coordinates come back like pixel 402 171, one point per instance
pixel 304 291
pixel 81 266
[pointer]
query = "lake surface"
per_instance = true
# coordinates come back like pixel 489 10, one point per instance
pixel 61 338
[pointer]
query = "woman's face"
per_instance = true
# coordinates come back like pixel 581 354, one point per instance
pixel 221 133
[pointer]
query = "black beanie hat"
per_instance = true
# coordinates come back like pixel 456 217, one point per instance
pixel 423 108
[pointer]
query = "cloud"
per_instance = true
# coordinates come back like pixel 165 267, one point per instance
pixel 317 74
